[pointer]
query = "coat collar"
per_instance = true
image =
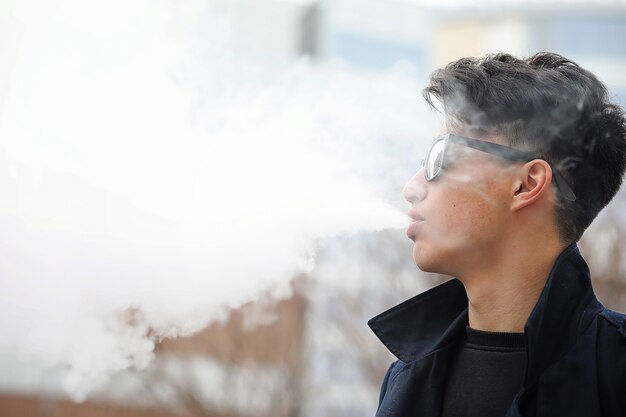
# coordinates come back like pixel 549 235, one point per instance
pixel 420 325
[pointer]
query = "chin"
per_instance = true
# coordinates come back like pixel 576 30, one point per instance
pixel 423 259
pixel 430 260
pixel 427 267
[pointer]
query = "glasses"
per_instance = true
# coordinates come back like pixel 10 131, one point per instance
pixel 435 159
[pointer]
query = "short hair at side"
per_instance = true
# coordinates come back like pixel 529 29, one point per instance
pixel 548 105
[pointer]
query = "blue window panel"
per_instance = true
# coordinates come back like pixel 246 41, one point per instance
pixel 598 35
pixel 365 51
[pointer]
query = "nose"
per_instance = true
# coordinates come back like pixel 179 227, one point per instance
pixel 415 189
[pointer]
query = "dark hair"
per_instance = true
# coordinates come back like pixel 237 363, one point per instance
pixel 548 105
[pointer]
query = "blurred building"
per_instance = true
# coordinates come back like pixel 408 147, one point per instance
pixel 251 365
pixel 378 34
pixel 367 34
pixel 589 34
pixel 375 34
pixel 270 30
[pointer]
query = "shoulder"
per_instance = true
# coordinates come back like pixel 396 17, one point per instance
pixel 611 336
pixel 393 371
pixel 611 355
pixel 615 319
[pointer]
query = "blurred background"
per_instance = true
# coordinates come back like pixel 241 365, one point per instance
pixel 202 199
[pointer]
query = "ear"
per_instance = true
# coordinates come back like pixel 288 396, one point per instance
pixel 532 182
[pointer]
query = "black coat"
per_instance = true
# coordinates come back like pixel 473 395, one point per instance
pixel 576 349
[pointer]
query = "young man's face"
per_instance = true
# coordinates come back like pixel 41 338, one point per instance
pixel 463 213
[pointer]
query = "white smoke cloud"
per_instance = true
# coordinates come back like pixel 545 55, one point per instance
pixel 152 178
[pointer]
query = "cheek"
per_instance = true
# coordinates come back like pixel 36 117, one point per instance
pixel 470 212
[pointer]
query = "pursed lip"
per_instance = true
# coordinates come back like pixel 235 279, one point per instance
pixel 416 220
pixel 415 216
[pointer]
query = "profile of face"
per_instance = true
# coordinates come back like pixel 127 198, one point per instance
pixel 459 218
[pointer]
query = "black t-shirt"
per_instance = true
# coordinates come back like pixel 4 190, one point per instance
pixel 485 375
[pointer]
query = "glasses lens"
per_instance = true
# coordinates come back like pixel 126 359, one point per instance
pixel 434 161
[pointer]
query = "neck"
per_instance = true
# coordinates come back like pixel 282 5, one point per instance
pixel 503 291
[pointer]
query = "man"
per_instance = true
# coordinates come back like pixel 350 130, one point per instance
pixel 531 151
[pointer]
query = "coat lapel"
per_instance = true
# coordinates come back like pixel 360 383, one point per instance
pixel 418 389
pixel 420 325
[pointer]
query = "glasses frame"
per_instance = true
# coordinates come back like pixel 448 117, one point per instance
pixel 502 151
